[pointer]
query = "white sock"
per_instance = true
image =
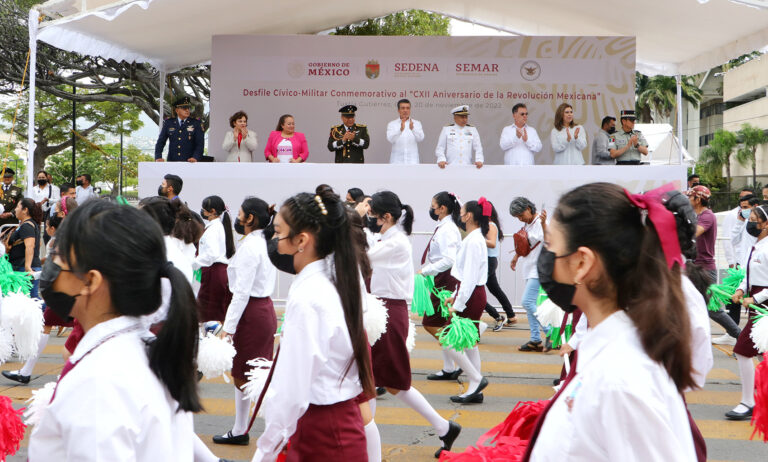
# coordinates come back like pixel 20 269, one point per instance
pixel 201 452
pixel 448 364
pixel 413 398
pixel 242 412
pixel 474 357
pixel 482 326
pixel 747 374
pixel 30 364
pixel 474 376
pixel 372 405
pixel 373 441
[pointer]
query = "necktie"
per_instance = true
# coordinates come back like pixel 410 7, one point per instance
pixel 64 371
pixel 749 260
pixel 424 257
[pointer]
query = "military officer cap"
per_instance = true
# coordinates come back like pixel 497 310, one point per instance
pixel 9 172
pixel 627 114
pixel 184 101
pixel 348 110
pixel 460 110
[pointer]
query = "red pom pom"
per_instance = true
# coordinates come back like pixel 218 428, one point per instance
pixel 521 421
pixel 760 411
pixel 11 428
pixel 507 449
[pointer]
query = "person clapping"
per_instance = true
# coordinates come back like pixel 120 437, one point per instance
pixel 240 143
pixel 285 144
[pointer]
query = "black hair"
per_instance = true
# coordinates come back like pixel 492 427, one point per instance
pixel 216 204
pixel 357 227
pixel 41 171
pixel 87 176
pixel 161 210
pixel 692 176
pixel 387 202
pixel 328 221
pixel 33 209
pixel 356 194
pixel 261 211
pixel 495 220
pixel 188 226
pixel 126 246
pixel 451 203
pixel 606 120
pixel 402 101
pixel 65 187
pixel 54 221
pixel 600 216
pixel 175 182
pixel 518 106
pixel 476 210
pixel 323 188
pixel 750 199
pixel 747 189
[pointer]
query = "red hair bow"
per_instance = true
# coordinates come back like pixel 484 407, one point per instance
pixel 487 207
pixel 663 221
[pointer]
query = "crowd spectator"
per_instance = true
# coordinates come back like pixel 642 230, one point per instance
pixel 600 153
pixel 84 189
pixel 493 242
pixel 567 138
pixel 11 196
pixel 693 180
pixel 23 244
pixel 285 144
pixel 240 142
pixel 171 186
pixel 44 193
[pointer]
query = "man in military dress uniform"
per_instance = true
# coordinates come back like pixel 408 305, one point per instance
pixel 349 139
pixel 627 145
pixel 11 196
pixel 186 135
pixel 457 140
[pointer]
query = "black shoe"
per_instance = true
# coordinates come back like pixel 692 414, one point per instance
pixel 556 382
pixel 229 438
pixel 381 391
pixel 446 375
pixel 16 377
pixel 746 415
pixel 474 397
pixel 199 376
pixel 453 432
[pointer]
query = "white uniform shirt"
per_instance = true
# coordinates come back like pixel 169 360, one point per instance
pixel 49 192
pixel 111 406
pixel 701 333
pixel 578 332
pixel 455 145
pixel 392 262
pixel 174 253
pixel 250 274
pixel 527 265
pixel 315 350
pixel 443 247
pixel 83 194
pixel 729 222
pixel 244 152
pixel 517 151
pixel 741 242
pixel 758 270
pixel 213 246
pixel 405 149
pixel 471 267
pixel 621 405
pixel 568 152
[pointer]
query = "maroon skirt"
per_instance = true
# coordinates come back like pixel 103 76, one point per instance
pixel 744 345
pixel 214 295
pixel 445 281
pixel 326 433
pixel 391 362
pixel 255 335
pixel 53 319
pixel 475 306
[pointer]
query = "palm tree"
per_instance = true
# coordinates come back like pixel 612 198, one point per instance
pixel 718 155
pixel 658 93
pixel 751 138
pixel 643 112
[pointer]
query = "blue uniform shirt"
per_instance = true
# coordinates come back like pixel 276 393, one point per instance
pixel 186 140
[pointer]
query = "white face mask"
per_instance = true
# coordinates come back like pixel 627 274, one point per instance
pixel 745 213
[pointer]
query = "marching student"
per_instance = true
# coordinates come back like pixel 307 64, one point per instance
pixel 623 401
pixel 251 321
pixel 437 261
pixel 216 247
pixel 753 291
pixel 121 395
pixel 392 281
pixel 324 363
pixel 471 270
pixel 493 242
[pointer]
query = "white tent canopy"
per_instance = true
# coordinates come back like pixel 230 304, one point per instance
pixel 663 146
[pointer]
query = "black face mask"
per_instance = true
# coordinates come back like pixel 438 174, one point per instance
pixel 560 294
pixel 161 191
pixel 370 223
pixel 432 214
pixel 42 182
pixel 59 302
pixel 239 227
pixel 612 130
pixel 752 229
pixel 79 182
pixel 202 214
pixel 281 261
pixel 462 225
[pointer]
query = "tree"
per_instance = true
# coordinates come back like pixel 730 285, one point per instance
pixel 411 22
pixel 718 155
pixel 53 123
pixel 751 138
pixel 658 93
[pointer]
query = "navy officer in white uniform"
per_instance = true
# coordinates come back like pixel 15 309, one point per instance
pixel 458 140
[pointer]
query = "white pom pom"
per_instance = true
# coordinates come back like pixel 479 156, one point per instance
pixel 257 378
pixel 38 403
pixel 759 334
pixel 549 314
pixel 6 344
pixel 375 317
pixel 410 340
pixel 214 357
pixel 23 316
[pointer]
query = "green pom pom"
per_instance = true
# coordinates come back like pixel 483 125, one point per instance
pixel 460 334
pixel 721 294
pixel 198 274
pixel 282 321
pixel 422 288
pixel 13 281
pixel 541 297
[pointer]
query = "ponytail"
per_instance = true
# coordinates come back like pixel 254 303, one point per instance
pixel 408 220
pixel 387 202
pixel 451 203
pixel 477 216
pixel 216 204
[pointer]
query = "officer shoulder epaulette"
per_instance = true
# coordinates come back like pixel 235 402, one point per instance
pixel 362 125
pixel 468 125
pixel 450 125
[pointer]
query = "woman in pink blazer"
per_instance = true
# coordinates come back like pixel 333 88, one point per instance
pixel 285 144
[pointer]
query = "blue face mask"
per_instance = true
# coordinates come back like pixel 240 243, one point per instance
pixel 745 213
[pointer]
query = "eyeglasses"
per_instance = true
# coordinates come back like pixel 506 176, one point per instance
pixel 523 114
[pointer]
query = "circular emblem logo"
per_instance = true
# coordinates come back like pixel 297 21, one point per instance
pixel 372 69
pixel 295 69
pixel 530 70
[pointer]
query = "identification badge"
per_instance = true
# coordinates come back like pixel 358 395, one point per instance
pixel 190 129
pixel 171 129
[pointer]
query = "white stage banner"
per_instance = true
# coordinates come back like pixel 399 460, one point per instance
pixel 415 186
pixel 311 77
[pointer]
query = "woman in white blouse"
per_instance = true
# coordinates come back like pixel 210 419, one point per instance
pixel 391 260
pixel 217 246
pixel 240 142
pixel 324 363
pixel 623 401
pixel 122 395
pixel 471 270
pixel 568 139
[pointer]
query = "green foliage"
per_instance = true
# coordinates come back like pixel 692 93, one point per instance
pixel 658 93
pixel 410 22
pixel 718 155
pixel 751 138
